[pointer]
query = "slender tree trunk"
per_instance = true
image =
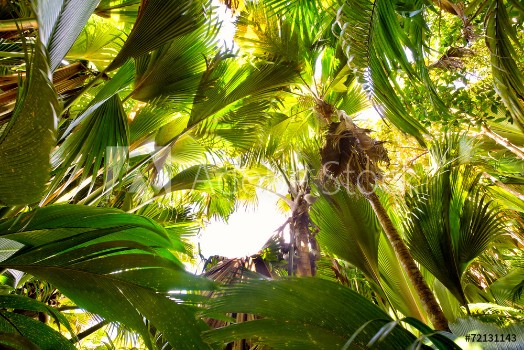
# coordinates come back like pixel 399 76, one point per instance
pixel 300 226
pixel 304 261
pixel 429 303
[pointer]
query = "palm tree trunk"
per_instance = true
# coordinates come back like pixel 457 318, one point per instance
pixel 429 303
pixel 304 261
pixel 300 227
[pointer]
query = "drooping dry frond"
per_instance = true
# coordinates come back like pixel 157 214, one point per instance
pixel 351 152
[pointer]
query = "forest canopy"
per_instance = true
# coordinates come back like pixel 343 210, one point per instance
pixel 396 128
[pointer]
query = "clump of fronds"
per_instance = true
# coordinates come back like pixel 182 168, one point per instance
pixel 350 152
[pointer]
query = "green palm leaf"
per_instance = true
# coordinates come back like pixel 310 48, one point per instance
pixel 174 70
pixel 348 230
pixel 395 283
pixel 85 152
pixel 303 314
pixel 60 23
pixel 210 178
pixel 188 151
pixel 507 77
pixel 374 44
pixel 123 262
pixel 32 330
pixel 99 42
pixel 122 79
pixel 152 118
pixel 234 82
pixel 26 142
pixel 158 22
pixel 262 31
pixel 450 223
pixel 508 289
pixel 25 331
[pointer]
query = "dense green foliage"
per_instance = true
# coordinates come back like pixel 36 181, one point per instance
pixel 397 127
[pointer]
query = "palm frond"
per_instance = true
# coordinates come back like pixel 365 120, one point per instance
pixel 32 127
pixel 151 31
pixel 450 305
pixel 157 116
pixel 31 330
pixel 262 31
pixel 188 151
pixel 122 79
pixel 175 70
pixel 348 230
pixel 298 11
pixel 197 177
pixel 239 130
pixel 374 43
pixel 395 283
pixel 60 23
pixel 84 153
pixel 99 42
pixel 352 101
pixel 506 199
pixel 294 318
pixel 234 82
pixel 507 77
pixel 213 188
pixel 508 289
pixel 451 222
pixel 123 262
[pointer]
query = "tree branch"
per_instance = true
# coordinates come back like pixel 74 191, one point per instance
pixel 486 130
pixel 89 331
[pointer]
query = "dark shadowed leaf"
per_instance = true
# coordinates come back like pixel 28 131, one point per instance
pixel 295 317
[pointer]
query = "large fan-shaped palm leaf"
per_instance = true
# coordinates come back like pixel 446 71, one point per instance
pixel 374 43
pixel 123 263
pixel 159 22
pixel 348 230
pixel 451 222
pixel 295 317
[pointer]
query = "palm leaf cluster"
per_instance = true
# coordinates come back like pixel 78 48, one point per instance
pixel 126 125
pixel 462 221
pixel 372 37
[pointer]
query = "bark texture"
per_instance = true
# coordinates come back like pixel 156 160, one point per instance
pixel 300 226
pixel 429 303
